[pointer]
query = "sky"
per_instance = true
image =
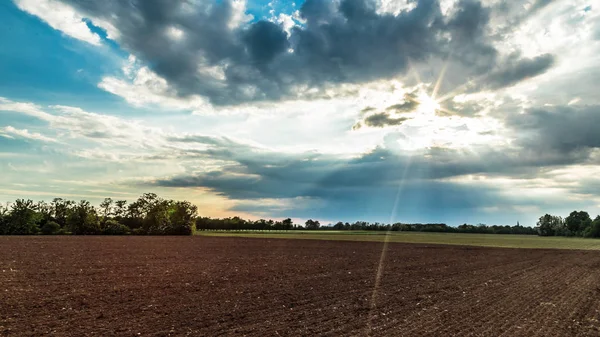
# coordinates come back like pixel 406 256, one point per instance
pixel 453 111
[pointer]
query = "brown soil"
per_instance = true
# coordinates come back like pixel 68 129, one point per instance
pixel 161 286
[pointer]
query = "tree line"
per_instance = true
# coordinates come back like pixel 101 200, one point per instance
pixel 153 215
pixel 237 223
pixel 149 214
pixel 578 223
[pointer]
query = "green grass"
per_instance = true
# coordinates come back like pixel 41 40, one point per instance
pixel 485 240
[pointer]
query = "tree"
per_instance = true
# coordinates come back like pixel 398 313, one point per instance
pixel 157 220
pixel 338 226
pixel 23 218
pixel 593 230
pixel 182 218
pixel 60 210
pixel 549 225
pixel 83 219
pixel 106 209
pixel 577 222
pixel 311 224
pixel 4 220
pixel 120 209
pixel 287 224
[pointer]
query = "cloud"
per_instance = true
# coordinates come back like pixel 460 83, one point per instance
pixel 11 132
pixel 519 70
pixel 433 183
pixel 144 87
pixel 566 130
pixel 215 53
pixel 77 123
pixel 252 172
pixel 408 106
pixel 381 119
pixel 62 17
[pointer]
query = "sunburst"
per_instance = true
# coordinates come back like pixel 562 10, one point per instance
pixel 428 105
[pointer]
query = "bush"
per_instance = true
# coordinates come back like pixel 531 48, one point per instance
pixel 138 231
pixel 63 231
pixel 50 228
pixel 112 227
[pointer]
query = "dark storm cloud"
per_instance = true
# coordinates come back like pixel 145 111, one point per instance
pixel 519 70
pixel 339 42
pixel 470 42
pixel 264 40
pixel 568 131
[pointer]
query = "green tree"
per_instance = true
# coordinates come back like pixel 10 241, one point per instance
pixel 120 209
pixel 83 219
pixel 593 230
pixel 106 209
pixel 549 225
pixel 4 213
pixel 157 220
pixel 287 224
pixel 577 222
pixel 23 218
pixel 312 224
pixel 182 216
pixel 60 210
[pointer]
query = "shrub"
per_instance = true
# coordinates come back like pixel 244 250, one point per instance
pixel 63 231
pixel 138 231
pixel 112 227
pixel 50 228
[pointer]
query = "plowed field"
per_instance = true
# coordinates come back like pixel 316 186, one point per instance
pixel 203 286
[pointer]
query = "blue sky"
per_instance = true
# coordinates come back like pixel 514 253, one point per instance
pixel 377 110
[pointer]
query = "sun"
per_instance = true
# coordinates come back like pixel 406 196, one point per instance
pixel 428 105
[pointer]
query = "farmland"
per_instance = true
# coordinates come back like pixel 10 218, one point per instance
pixel 484 240
pixel 200 285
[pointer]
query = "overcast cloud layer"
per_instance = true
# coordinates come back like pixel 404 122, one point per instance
pixel 446 111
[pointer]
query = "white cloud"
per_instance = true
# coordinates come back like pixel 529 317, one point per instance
pixel 239 15
pixel 61 17
pixel 25 108
pixel 141 86
pixel 73 122
pixel 11 132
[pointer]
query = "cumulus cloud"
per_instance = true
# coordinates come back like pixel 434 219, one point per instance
pixel 209 49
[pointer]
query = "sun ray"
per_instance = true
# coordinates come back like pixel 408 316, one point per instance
pixel 440 79
pixel 384 248
pixel 413 71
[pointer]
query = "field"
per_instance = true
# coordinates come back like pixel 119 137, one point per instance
pixel 484 240
pixel 206 285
